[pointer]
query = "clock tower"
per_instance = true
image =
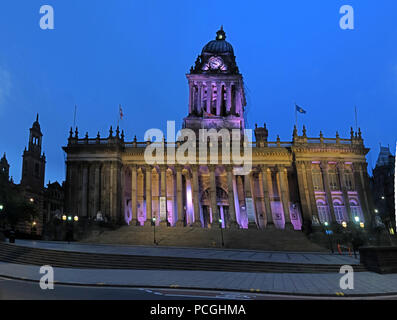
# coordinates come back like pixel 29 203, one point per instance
pixel 216 88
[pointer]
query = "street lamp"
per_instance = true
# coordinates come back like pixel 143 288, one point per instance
pixel 357 219
pixel 69 218
pixel 64 217
pixel 344 224
pixel 76 218
pixel 31 200
pixel 328 233
pixel 220 225
pixel 154 230
pixel 1 207
pixel 362 225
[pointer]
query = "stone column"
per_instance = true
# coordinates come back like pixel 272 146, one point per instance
pixel 324 168
pixel 284 194
pixel 360 187
pixel 229 97
pixel 218 98
pixel 310 186
pixel 249 195
pixel 267 187
pixel 134 190
pixel 230 192
pixel 200 97
pixel 163 192
pixel 341 173
pixel 214 205
pixel 209 97
pixel 196 196
pixel 303 190
pixel 148 220
pixel 191 95
pixel 179 197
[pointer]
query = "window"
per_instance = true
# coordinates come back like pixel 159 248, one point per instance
pixel 333 180
pixel 323 212
pixel 317 178
pixel 356 212
pixel 349 181
pixel 339 213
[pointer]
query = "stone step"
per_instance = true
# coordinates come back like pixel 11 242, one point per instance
pixel 252 239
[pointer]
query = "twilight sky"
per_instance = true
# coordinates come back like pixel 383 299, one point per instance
pixel 136 53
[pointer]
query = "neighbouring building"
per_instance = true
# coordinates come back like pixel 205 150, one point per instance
pixel 314 179
pixel 383 186
pixel 48 200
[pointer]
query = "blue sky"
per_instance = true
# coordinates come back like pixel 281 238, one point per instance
pixel 136 53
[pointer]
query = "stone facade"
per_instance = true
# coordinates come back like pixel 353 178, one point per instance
pixel 305 179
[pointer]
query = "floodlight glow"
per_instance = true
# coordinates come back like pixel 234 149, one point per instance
pixel 344 224
pixel 69 218
pixel 76 218
pixel 64 218
pixel 362 224
pixel 357 219
pixel 1 207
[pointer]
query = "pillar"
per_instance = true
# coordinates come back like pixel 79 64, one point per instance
pixel 209 97
pixel 218 98
pixel 342 182
pixel 284 194
pixel 230 192
pixel 303 191
pixel 214 206
pixel 196 196
pixel 179 197
pixel 324 168
pixel 134 211
pixel 163 193
pixel 267 187
pixel 148 221
pixel 249 195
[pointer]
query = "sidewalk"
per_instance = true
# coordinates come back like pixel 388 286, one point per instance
pixel 365 283
pixel 227 254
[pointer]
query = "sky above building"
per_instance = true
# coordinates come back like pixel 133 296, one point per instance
pixel 136 53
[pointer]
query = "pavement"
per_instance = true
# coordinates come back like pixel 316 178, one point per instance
pixel 322 284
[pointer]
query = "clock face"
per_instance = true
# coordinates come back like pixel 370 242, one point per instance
pixel 216 63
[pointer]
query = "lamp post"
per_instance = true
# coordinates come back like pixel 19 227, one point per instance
pixel 154 230
pixel 220 226
pixel 328 233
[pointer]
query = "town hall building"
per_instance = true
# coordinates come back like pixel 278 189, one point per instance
pixel 306 179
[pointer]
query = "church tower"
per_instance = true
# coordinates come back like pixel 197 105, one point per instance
pixel 33 166
pixel 4 168
pixel 216 88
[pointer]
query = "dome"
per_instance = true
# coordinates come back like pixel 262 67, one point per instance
pixel 219 45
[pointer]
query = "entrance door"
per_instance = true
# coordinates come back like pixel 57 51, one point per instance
pixel 206 217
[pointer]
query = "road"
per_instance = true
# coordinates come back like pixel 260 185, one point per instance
pixel 26 290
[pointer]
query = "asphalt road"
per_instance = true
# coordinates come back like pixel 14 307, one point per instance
pixel 26 290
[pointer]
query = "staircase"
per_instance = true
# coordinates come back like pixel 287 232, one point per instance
pixel 17 254
pixel 250 239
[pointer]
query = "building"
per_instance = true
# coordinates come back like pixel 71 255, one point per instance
pixel 315 179
pixel 383 186
pixel 48 200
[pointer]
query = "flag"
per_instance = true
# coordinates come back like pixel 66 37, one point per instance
pixel 299 109
pixel 121 112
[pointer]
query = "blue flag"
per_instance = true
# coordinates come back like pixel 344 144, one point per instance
pixel 299 109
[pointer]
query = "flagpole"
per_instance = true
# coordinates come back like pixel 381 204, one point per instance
pixel 296 116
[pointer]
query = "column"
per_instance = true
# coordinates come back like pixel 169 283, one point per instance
pixel 284 194
pixel 163 193
pixel 199 97
pixel 218 98
pixel 310 186
pixel 214 206
pixel 230 192
pixel 249 195
pixel 179 197
pixel 324 168
pixel 134 218
pixel 191 95
pixel 209 96
pixel 303 190
pixel 148 220
pixel 359 185
pixel 267 186
pixel 341 173
pixel 196 196
pixel 229 97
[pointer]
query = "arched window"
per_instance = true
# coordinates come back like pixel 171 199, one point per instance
pixel 356 211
